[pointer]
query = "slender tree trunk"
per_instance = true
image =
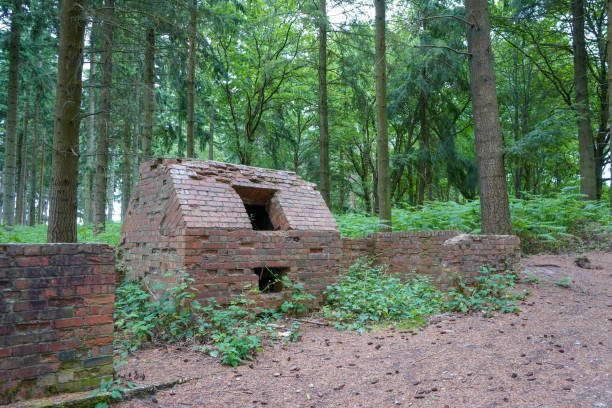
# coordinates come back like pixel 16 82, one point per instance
pixel 104 119
pixel 10 143
pixel 147 133
pixel 610 90
pixel 586 147
pixel 33 166
pixel 65 165
pixel 191 85
pixel 494 206
pixel 211 131
pixel 135 164
pixel 324 183
pixel 382 140
pixel 91 136
pixel 126 181
pixel 180 137
pixel 22 174
pixel 110 200
pixel 42 174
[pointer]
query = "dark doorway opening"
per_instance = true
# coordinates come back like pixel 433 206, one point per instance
pixel 259 217
pixel 270 279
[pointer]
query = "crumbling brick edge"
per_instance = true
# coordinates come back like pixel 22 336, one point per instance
pixel 56 318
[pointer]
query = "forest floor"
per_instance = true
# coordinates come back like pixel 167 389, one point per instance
pixel 557 352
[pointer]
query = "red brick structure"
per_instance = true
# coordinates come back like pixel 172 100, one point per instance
pixel 232 226
pixel 56 318
pixel 436 253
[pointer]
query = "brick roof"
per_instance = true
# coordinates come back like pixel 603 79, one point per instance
pixel 207 194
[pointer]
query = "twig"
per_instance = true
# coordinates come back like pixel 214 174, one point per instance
pixel 463 20
pixel 311 322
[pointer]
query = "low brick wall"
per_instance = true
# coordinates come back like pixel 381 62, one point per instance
pixel 56 318
pixel 435 253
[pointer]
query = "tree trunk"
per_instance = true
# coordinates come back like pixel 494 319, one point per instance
pixel 191 85
pixel 22 173
pixel 382 139
pixel 135 164
pixel 126 181
pixel 610 90
pixel 91 136
pixel 494 206
pixel 324 184
pixel 33 166
pixel 147 131
pixel 110 199
pixel 179 133
pixel 65 165
pixel 10 144
pixel 41 177
pixel 211 130
pixel 586 148
pixel 104 119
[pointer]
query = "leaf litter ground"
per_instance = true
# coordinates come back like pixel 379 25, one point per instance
pixel 557 352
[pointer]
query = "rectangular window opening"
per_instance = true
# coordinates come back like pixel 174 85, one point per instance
pixel 257 205
pixel 270 279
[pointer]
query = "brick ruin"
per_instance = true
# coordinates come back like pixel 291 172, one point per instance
pixel 230 227
pixel 56 318
pixel 234 227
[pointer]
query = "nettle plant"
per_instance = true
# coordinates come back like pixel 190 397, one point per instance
pixel 368 295
pixel 171 314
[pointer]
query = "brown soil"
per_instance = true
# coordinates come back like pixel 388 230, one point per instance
pixel 557 352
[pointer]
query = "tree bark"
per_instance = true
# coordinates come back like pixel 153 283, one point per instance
pixel 586 148
pixel 22 173
pixel 147 131
pixel 494 206
pixel 135 164
pixel 91 136
pixel 65 165
pixel 324 184
pixel 110 199
pixel 610 91
pixel 382 139
pixel 104 119
pixel 41 177
pixel 10 144
pixel 33 167
pixel 191 85
pixel 211 130
pixel 126 180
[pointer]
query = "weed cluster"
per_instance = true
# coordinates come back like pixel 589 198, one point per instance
pixel 233 332
pixel 367 296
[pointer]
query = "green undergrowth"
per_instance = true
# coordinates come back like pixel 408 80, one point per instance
pixel 38 234
pixel 553 223
pixel 367 296
pixel 233 332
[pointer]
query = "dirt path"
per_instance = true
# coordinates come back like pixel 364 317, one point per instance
pixel 556 353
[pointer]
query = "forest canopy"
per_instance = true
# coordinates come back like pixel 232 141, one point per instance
pixel 322 89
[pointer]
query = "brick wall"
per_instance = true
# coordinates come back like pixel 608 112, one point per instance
pixel 435 252
pixel 56 318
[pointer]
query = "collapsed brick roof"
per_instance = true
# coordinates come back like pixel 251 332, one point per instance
pixel 210 194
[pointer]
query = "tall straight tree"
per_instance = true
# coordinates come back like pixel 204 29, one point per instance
pixel 191 84
pixel 91 126
pixel 323 121
pixel 494 206
pixel 22 173
pixel 65 165
pixel 586 147
pixel 33 166
pixel 10 142
pixel 148 103
pixel 104 119
pixel 610 90
pixel 382 139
